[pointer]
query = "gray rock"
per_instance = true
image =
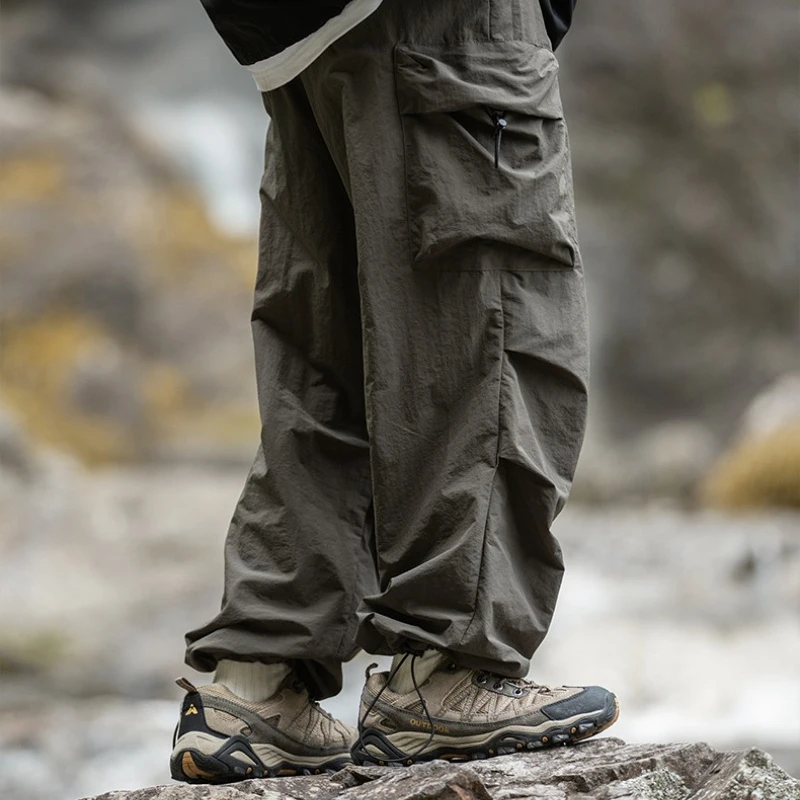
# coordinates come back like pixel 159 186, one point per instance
pixel 777 406
pixel 664 464
pixel 16 454
pixel 663 784
pixel 689 246
pixel 125 312
pixel 601 769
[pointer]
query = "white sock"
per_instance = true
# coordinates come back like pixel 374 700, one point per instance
pixel 424 666
pixel 251 680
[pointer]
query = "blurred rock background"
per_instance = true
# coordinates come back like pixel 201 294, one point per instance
pixel 130 152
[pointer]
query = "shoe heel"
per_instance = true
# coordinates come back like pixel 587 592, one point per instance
pixel 193 716
pixel 189 764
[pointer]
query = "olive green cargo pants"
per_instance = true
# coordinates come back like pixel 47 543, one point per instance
pixel 421 351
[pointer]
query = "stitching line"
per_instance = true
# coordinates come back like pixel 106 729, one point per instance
pixel 496 461
pixel 401 120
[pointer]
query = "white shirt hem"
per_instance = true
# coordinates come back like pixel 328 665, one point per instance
pixel 289 63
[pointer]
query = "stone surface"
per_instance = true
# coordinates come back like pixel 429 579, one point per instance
pixel 683 120
pixel 775 407
pixel 603 769
pixel 101 573
pixel 686 202
pixel 125 312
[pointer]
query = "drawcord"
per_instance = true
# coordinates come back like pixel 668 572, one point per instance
pixel 407 757
pixel 500 124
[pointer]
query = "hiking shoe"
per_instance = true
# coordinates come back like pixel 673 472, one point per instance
pixel 460 714
pixel 222 738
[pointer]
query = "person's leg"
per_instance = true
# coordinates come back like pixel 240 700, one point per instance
pixel 473 312
pixel 296 558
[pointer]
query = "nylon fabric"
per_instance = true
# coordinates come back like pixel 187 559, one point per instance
pixel 421 353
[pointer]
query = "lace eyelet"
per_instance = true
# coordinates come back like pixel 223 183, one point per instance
pixel 517 691
pixel 482 679
pixel 498 686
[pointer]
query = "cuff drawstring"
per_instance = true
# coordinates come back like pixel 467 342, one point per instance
pixel 500 124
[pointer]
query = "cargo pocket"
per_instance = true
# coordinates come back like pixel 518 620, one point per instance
pixel 487 167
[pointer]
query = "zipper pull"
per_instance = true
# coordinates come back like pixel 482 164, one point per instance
pixel 500 124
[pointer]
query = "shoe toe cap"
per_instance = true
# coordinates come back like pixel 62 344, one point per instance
pixel 591 700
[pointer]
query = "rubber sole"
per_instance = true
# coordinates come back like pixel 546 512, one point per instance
pixel 190 765
pixel 505 743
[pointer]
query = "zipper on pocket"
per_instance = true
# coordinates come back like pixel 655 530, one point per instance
pixel 500 124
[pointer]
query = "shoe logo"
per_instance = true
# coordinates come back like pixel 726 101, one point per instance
pixel 191 710
pixel 423 723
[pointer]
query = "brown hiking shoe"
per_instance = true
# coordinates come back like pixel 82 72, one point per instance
pixel 222 738
pixel 460 714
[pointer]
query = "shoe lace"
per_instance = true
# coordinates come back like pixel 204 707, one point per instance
pixel 299 686
pixel 519 684
pixel 406 757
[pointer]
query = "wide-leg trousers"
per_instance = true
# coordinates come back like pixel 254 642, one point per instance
pixel 421 351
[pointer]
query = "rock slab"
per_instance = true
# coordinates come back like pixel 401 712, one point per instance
pixel 604 769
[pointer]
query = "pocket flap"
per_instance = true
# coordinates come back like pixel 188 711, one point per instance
pixel 511 76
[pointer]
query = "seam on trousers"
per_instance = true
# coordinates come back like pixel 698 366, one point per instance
pixel 401 126
pixel 358 589
pixel 496 460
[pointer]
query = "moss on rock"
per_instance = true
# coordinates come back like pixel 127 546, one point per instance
pixel 758 472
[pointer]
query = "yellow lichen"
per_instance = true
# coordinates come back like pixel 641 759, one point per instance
pixel 231 426
pixel 39 354
pixel 31 178
pixel 757 473
pixel 181 238
pixel 94 440
pixel 165 391
pixel 714 105
pixel 23 652
pixel 37 359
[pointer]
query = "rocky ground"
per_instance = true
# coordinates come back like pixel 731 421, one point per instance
pixel 691 617
pixel 602 769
